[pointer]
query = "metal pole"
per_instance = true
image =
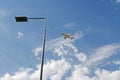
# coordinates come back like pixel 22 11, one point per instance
pixel 36 18
pixel 44 38
pixel 25 19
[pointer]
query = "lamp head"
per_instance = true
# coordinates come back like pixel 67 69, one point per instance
pixel 21 19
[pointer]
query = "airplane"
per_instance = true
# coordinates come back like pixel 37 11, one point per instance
pixel 70 36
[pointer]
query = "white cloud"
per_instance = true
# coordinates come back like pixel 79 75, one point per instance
pixel 82 73
pixel 22 74
pixel 37 50
pixel 107 75
pixel 20 35
pixel 79 73
pixel 60 46
pixel 102 53
pixel 52 69
pixel 56 69
pixel 81 56
pixel 80 70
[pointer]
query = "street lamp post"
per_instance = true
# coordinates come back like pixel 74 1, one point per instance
pixel 25 19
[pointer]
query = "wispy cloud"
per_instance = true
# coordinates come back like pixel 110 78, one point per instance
pixel 71 24
pixel 113 1
pixel 81 56
pixel 59 45
pixel 117 1
pixel 102 53
pixel 20 35
pixel 3 13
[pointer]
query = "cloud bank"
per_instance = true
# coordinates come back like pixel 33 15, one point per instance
pixel 77 65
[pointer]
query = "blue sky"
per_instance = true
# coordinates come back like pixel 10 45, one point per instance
pixel 93 54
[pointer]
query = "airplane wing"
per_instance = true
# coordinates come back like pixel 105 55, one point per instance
pixel 65 37
pixel 70 36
